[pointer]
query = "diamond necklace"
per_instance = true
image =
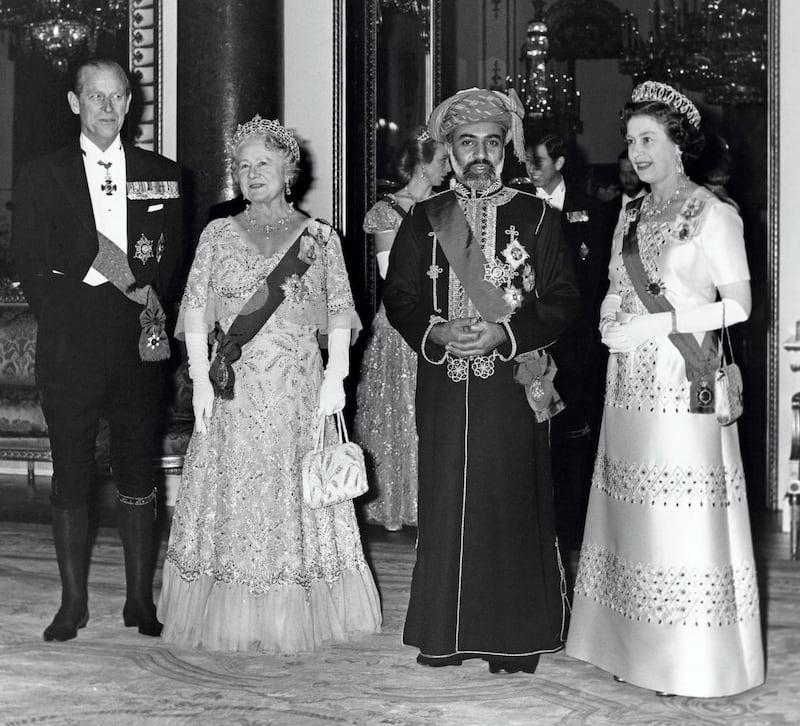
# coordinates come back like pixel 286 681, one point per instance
pixel 649 211
pixel 268 229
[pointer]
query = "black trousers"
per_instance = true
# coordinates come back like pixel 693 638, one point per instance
pixel 88 367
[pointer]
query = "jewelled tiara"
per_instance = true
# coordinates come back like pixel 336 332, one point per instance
pixel 655 91
pixel 258 125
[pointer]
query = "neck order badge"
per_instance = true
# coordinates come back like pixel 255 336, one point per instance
pixel 107 186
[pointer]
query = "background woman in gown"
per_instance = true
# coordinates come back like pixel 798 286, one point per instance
pixel 384 421
pixel 249 566
pixel 666 595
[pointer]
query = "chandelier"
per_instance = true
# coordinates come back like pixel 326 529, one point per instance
pixel 551 100
pixel 716 47
pixel 62 30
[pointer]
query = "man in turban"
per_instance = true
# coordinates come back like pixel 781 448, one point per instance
pixel 479 283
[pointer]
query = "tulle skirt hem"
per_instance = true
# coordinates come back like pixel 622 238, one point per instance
pixel 214 615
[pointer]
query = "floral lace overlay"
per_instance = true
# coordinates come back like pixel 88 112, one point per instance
pixel 240 531
pixel 665 484
pixel 687 596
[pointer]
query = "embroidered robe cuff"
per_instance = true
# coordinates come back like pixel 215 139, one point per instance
pixel 435 320
pixel 510 344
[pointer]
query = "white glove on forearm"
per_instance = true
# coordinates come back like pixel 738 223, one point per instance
pixel 709 316
pixel 382 258
pixel 331 393
pixel 202 390
pixel 608 309
pixel 627 336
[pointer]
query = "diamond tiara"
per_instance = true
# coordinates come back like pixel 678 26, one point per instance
pixel 258 125
pixel 655 91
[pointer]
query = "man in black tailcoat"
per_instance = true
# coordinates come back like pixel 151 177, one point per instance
pixel 100 333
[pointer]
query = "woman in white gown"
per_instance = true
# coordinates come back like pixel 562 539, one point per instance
pixel 666 596
pixel 249 566
pixel 384 422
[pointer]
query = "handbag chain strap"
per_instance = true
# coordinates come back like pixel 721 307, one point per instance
pixel 725 336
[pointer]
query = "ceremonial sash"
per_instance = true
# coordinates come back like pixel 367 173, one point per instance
pixel 112 263
pixel 465 256
pixel 246 324
pixel 700 360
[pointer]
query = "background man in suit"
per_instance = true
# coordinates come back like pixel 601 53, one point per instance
pixel 97 194
pixel 577 352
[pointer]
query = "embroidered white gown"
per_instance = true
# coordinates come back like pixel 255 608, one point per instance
pixel 666 594
pixel 249 566
pixel 384 422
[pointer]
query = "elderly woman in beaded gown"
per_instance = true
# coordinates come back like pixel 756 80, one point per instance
pixel 249 566
pixel 666 596
pixel 384 422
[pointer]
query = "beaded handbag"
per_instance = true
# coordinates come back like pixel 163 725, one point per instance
pixel 728 405
pixel 335 473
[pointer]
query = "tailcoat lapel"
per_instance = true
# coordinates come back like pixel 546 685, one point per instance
pixel 71 177
pixel 135 168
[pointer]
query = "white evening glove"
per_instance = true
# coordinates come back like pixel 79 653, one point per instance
pixel 202 390
pixel 331 393
pixel 382 258
pixel 608 310
pixel 709 316
pixel 627 336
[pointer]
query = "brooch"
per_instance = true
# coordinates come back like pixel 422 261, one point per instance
pixel 144 249
pixel 528 278
pixel 497 273
pixel 578 216
pixel 307 253
pixel 656 287
pixel 515 254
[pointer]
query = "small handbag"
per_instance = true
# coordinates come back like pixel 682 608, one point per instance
pixel 335 473
pixel 728 405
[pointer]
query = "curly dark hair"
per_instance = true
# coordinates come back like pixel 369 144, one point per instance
pixel 684 135
pixel 415 151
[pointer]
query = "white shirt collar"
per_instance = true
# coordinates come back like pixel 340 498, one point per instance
pixel 556 197
pixel 94 153
pixel 626 198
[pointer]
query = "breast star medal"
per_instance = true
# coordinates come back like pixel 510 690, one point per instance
pixel 144 249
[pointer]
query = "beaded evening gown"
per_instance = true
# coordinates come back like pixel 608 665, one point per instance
pixel 666 595
pixel 249 566
pixel 384 423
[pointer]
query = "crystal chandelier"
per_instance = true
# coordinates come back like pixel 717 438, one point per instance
pixel 551 100
pixel 62 30
pixel 717 47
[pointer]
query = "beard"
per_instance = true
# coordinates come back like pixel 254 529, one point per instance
pixel 477 180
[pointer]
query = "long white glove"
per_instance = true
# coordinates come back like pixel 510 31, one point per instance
pixel 382 258
pixel 202 390
pixel 627 336
pixel 608 310
pixel 331 393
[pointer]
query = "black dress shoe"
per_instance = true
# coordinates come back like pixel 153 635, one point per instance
pixel 525 664
pixel 144 618
pixel 619 680
pixel 62 630
pixel 453 660
pixel 665 694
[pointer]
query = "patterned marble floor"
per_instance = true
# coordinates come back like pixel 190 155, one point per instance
pixel 110 675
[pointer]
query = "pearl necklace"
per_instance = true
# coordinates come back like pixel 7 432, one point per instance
pixel 649 211
pixel 268 229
